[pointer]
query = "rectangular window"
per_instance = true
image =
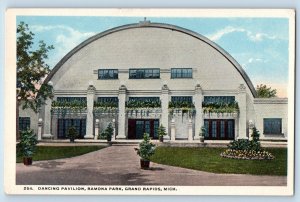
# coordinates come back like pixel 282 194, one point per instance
pixel 144 73
pixel 108 99
pixel 219 99
pixel 63 126
pixel 230 128
pixel 144 99
pixel 71 99
pixel 222 129
pixel 188 99
pixel 24 123
pixel 181 73
pixel 107 74
pixel 272 126
pixel 206 125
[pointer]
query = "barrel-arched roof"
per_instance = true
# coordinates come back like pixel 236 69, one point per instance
pixel 145 24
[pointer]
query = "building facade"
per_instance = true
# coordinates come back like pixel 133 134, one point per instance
pixel 139 76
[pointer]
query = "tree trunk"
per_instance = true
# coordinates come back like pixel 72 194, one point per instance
pixel 17 120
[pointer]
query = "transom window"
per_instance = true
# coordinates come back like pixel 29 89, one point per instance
pixel 71 99
pixel 144 99
pixel 272 126
pixel 107 74
pixel 108 99
pixel 24 123
pixel 188 99
pixel 219 99
pixel 153 73
pixel 181 73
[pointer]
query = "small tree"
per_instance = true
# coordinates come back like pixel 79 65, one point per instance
pixel 109 131
pixel 265 92
pixel 72 133
pixel 255 135
pixel 146 148
pixel 31 70
pixel 161 131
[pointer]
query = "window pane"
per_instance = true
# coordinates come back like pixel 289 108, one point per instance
pixel 144 73
pixel 222 129
pixel 214 129
pixel 107 74
pixel 272 126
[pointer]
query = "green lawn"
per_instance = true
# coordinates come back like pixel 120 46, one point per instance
pixel 208 159
pixel 53 152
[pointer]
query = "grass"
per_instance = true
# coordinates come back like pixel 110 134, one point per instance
pixel 53 152
pixel 209 159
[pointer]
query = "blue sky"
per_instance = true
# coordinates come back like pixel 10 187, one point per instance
pixel 260 45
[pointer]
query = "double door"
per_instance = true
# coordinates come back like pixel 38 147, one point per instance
pixel 137 128
pixel 63 126
pixel 219 129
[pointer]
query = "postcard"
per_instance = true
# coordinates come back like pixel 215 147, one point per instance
pixel 149 101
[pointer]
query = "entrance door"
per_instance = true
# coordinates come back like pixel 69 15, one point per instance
pixel 137 128
pixel 219 129
pixel 63 126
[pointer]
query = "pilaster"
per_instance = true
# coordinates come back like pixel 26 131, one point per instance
pixel 198 98
pixel 242 102
pixel 165 110
pixel 47 120
pixel 89 116
pixel 122 113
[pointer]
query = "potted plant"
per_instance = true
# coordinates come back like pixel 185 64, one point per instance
pixel 72 133
pixel 109 131
pixel 27 146
pixel 145 151
pixel 202 133
pixel 161 131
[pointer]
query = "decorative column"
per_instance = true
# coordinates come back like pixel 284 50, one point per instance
pixel 173 130
pixel 122 113
pixel 89 116
pixel 251 126
pixel 96 129
pixel 47 120
pixel 198 98
pixel 190 130
pixel 242 102
pixel 165 110
pixel 40 129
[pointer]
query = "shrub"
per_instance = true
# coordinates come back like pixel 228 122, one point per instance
pixel 72 133
pixel 161 131
pixel 109 131
pixel 27 145
pixel 146 148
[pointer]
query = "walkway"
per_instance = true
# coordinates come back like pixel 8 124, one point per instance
pixel 119 165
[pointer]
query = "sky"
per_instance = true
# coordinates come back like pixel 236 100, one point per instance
pixel 259 45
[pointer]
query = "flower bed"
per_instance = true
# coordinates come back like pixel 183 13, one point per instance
pixel 247 154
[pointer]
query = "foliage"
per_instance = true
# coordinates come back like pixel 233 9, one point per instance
pixel 255 135
pixel 161 131
pixel 106 104
pixel 109 131
pixel 134 104
pixel 146 148
pixel 247 149
pixel 208 159
pixel 220 107
pixel 265 92
pixel 244 144
pixel 202 131
pixel 58 152
pixel 247 154
pixel 27 145
pixel 181 104
pixel 63 107
pixel 31 70
pixel 102 135
pixel 72 133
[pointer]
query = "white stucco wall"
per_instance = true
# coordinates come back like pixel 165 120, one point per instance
pixel 271 108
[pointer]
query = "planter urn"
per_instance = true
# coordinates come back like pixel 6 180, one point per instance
pixel 161 138
pixel 201 139
pixel 27 161
pixel 145 164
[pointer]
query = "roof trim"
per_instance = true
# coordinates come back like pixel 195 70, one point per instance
pixel 146 24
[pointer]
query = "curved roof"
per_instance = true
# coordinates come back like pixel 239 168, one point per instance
pixel 145 24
